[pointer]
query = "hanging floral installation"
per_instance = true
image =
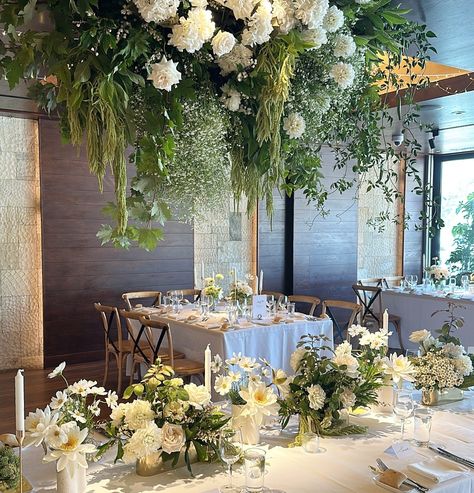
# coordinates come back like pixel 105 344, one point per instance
pixel 218 96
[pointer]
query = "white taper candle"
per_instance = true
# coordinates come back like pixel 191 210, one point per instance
pixel 207 368
pixel 20 401
pixel 385 320
pixel 260 282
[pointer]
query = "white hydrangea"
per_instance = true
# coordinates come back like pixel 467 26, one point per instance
pixel 463 365
pixel 157 10
pixel 316 396
pixel 311 12
pixel 453 350
pixel 222 43
pixel 317 37
pixel 343 74
pixel 239 58
pixel 333 20
pixel 164 75
pixel 259 26
pixel 143 442
pixel 284 13
pixel 231 98
pixel 344 46
pixel 242 9
pixel 294 125
pixel 192 32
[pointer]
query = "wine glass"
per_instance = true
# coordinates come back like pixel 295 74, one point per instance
pixel 403 406
pixel 282 303
pixel 465 283
pixel 413 281
pixel 179 295
pixel 230 451
pixel 452 284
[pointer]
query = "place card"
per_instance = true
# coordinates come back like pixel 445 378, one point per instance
pixel 259 306
pixel 400 450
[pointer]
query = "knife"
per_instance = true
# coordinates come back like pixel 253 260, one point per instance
pixel 453 457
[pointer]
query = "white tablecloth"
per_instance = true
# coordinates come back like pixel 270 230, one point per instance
pixel 275 342
pixel 342 469
pixel 415 312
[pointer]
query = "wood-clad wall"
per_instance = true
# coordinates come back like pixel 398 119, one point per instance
pixel 77 271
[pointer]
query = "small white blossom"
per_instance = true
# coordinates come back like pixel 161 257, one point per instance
pixel 316 396
pixel 231 98
pixel 157 10
pixel 344 46
pixel 58 370
pixel 311 12
pixel 222 43
pixel 238 59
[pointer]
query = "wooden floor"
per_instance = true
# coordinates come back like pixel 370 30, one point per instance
pixel 39 388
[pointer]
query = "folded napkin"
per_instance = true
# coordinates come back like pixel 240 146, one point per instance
pixel 245 325
pixel 438 469
pixel 211 324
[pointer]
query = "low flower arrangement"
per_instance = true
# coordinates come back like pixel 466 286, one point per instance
pixel 64 427
pixel 166 419
pixel 253 389
pixel 322 388
pixel 442 362
pixel 437 272
pixel 212 288
pixel 240 291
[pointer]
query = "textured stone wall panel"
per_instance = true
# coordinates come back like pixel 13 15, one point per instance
pixel 21 320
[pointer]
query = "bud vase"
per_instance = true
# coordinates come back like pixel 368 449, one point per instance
pixel 249 425
pixel 384 404
pixel 72 480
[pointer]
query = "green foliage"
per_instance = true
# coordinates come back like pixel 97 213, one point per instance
pixel 453 323
pixel 9 468
pixel 463 234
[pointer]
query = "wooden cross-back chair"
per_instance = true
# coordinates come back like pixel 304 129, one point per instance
pixel 114 341
pixel 328 308
pixel 393 281
pixel 142 295
pixel 370 298
pixel 308 300
pixel 371 281
pixel 276 295
pixel 182 366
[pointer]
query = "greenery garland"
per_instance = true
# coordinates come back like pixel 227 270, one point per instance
pixel 127 74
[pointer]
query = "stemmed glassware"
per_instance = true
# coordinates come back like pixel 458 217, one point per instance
pixel 452 284
pixel 271 305
pixel 465 283
pixel 403 407
pixel 282 303
pixel 413 281
pixel 230 450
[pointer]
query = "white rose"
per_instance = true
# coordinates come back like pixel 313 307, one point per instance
pixel 157 10
pixel 173 438
pixel 419 336
pixel 223 43
pixel 199 396
pixel 348 398
pixel 316 397
pixel 164 75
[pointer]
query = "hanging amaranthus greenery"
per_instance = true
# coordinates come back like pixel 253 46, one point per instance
pixel 118 75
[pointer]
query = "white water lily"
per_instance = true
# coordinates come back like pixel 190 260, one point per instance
pixel 37 425
pixel 56 436
pixel 260 400
pixel 399 368
pixel 164 75
pixel 199 396
pixel 58 370
pixel 72 452
pixel 316 396
pixel 222 43
pixel 58 401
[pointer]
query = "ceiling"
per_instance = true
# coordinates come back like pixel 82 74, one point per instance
pixel 451 21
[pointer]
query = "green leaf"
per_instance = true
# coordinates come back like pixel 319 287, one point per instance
pixel 127 393
pixel 82 72
pixel 149 238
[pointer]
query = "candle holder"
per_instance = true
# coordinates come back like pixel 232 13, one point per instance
pixel 20 436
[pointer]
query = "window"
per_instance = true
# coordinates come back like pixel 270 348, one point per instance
pixel 454 184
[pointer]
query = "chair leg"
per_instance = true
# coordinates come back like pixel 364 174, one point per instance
pixel 120 372
pixel 107 362
pixel 132 373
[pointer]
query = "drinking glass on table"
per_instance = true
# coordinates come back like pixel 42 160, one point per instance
pixel 291 309
pixel 271 306
pixel 403 406
pixel 413 281
pixel 254 461
pixel 422 426
pixel 232 315
pixel 452 284
pixel 282 303
pixel 465 283
pixel 167 302
pixel 230 451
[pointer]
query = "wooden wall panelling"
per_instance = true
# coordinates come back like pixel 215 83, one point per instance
pixel 77 271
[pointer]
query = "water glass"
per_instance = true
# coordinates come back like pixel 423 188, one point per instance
pixel 176 305
pixel 291 308
pixel 166 301
pixel 271 308
pixel 422 427
pixel 204 308
pixel 465 283
pixel 282 303
pixel 232 315
pixel 310 443
pixel 413 281
pixel 452 284
pixel 254 460
pixel 403 406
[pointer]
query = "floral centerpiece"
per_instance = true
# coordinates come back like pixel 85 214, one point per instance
pixel 372 355
pixel 250 387
pixel 322 388
pixel 167 421
pixel 189 84
pixel 64 428
pixel 241 291
pixel 438 273
pixel 443 368
pixel 212 288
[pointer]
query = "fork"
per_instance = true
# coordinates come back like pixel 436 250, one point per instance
pixel 407 481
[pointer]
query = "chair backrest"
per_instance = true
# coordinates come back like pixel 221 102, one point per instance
pixel 312 300
pixel 142 295
pixel 275 294
pixel 392 282
pixel 195 294
pixel 109 316
pixel 371 281
pixel 139 333
pixel 330 306
pixel 163 330
pixel 371 300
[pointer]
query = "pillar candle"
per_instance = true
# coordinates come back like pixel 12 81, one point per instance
pixel 385 320
pixel 207 368
pixel 20 401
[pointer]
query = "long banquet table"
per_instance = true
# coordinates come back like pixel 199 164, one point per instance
pixel 274 342
pixel 342 469
pixel 415 310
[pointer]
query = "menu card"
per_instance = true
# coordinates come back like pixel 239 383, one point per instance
pixel 259 306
